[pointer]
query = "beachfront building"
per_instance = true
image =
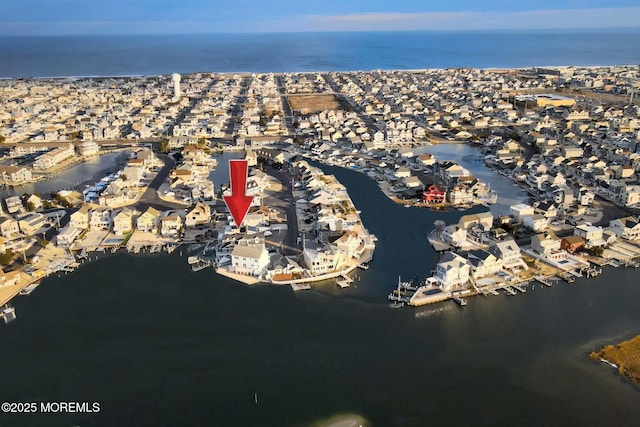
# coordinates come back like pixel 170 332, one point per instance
pixel 148 221
pixel 452 272
pixel 54 157
pixel 250 257
pixel 14 174
pixel 627 227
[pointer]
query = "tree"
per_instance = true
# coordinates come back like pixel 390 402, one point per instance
pixel 43 242
pixel 202 140
pixel 31 206
pixel 2 138
pixel 163 146
pixel 123 177
pixel 7 257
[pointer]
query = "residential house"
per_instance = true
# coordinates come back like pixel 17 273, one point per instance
pixel 101 219
pixel 171 225
pixel 452 272
pixel 67 235
pixel 592 235
pixel 520 211
pixel 14 204
pixel 433 195
pixel 627 227
pixel 572 244
pixel 31 223
pixel 536 222
pixel 250 257
pixel 548 245
pixel 80 218
pixel 14 174
pixel 148 221
pixel 8 227
pixel 483 263
pixel 123 222
pixel 199 215
pixel 508 252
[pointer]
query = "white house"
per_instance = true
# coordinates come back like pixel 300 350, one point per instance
pixel 250 257
pixel 199 215
pixel 67 235
pixel 483 263
pixel 592 235
pixel 536 222
pixel 452 272
pixel 520 211
pixel 627 227
pixel 148 221
pixel 123 222
pixel 80 218
pixel 101 219
pixel 508 252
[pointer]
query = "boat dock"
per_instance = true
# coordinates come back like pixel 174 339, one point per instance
pixel 345 282
pixel 544 280
pixel 520 287
pixel 509 290
pixel 29 288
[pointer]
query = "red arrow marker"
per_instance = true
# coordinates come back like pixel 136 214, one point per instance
pixel 238 203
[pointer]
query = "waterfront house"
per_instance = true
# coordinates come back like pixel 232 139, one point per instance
pixel 572 244
pixel 433 195
pixel 8 227
pixel 627 227
pixel 123 222
pixel 54 157
pixel 14 174
pixel 548 245
pixel 80 218
pixel 454 235
pixel 250 257
pixel 452 272
pixel 483 263
pixel 88 148
pixel 67 235
pixel 148 221
pixel 171 225
pixel 592 235
pixel 101 219
pixel 324 260
pixel 199 215
pixel 508 252
pixel 14 204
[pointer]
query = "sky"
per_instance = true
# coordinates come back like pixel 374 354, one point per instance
pixel 75 17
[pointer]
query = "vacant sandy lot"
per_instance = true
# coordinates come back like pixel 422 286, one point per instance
pixel 313 103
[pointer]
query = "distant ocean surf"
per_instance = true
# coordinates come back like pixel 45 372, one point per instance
pixel 282 52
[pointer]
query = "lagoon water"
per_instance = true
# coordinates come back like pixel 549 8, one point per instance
pixel 156 344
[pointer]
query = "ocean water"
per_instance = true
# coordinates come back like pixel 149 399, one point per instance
pixel 283 52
